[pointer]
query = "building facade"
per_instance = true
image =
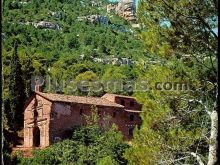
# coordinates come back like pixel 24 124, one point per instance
pixel 48 117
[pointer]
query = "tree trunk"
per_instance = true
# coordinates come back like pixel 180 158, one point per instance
pixel 213 144
pixel 199 160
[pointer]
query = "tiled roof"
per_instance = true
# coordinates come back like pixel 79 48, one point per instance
pixel 79 99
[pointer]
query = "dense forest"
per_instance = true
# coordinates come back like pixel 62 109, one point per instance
pixel 73 45
pixel 79 40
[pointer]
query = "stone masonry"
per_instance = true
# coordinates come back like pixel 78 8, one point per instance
pixel 48 117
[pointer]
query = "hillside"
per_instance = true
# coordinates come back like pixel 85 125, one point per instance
pixel 171 61
pixel 65 33
pixel 66 40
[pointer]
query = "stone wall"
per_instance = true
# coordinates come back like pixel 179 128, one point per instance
pixel 129 103
pixel 37 114
pixel 62 122
pixel 54 119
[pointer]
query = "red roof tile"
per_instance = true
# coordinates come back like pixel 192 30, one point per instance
pixel 79 99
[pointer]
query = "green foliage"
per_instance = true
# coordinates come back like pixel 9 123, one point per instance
pixel 181 34
pixel 88 145
pixel 16 93
pixel 94 118
pixel 116 79
pixel 58 52
pixel 69 40
pixel 166 131
pixel 106 161
pixel 9 159
pixel 177 36
pixel 171 23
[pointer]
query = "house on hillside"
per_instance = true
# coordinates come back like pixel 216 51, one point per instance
pixel 48 117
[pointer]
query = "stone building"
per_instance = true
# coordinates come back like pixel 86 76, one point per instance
pixel 48 117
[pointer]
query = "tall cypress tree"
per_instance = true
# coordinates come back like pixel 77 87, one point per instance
pixel 16 92
pixel 27 73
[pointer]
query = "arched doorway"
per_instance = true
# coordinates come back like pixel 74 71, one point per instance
pixel 36 137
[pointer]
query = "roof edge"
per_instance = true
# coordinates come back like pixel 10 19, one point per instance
pixel 51 100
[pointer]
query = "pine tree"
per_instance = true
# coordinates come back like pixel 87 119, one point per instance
pixel 183 32
pixel 27 73
pixel 16 92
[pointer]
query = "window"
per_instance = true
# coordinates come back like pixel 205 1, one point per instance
pixel 35 113
pixel 114 114
pixel 122 102
pixel 36 103
pixel 132 103
pixel 131 117
pixel 81 112
pixel 99 112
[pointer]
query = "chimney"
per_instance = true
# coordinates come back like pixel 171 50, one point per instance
pixel 38 85
pixel 38 88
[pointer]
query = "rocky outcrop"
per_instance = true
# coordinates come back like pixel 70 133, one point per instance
pixel 24 3
pixel 111 8
pixel 125 8
pixel 81 57
pixel 95 19
pixel 47 25
pixel 114 61
pixel 96 4
pixel 136 25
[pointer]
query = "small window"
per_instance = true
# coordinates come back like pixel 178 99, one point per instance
pixel 114 114
pixel 131 117
pixel 81 112
pixel 132 103
pixel 35 113
pixel 36 103
pixel 122 102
